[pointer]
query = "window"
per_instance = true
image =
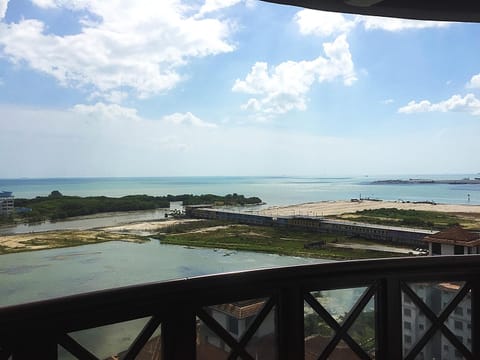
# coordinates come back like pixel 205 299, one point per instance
pixel 421 326
pixel 407 312
pixel 407 325
pixel 249 321
pixel 458 325
pixel 459 311
pixel 458 250
pixel 436 249
pixel 232 325
pixel 407 339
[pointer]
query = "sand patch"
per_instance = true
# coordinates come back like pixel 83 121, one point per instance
pixel 326 208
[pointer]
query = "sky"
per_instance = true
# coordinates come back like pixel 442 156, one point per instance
pixel 232 87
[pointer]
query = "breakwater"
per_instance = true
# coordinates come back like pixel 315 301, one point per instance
pixel 386 234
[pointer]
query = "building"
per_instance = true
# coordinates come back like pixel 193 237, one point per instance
pixel 6 203
pixel 236 318
pixel 453 241
pixel 437 296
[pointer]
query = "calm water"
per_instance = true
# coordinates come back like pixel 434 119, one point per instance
pixel 273 190
pixel 31 276
pixel 38 275
pixel 86 222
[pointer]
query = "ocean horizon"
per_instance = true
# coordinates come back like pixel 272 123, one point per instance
pixel 274 190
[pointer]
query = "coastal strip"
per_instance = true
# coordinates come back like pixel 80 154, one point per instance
pixel 60 239
pixel 327 208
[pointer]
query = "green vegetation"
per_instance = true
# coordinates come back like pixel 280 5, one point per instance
pixel 56 206
pixel 7 220
pixel 411 218
pixel 362 330
pixel 264 239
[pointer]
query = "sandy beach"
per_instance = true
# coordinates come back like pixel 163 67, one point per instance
pixel 57 239
pixel 147 226
pixel 326 208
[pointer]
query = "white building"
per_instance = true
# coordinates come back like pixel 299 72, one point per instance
pixel 453 241
pixel 437 295
pixel 6 203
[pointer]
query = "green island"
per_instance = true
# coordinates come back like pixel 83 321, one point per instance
pixel 275 240
pixel 58 207
pixel 409 218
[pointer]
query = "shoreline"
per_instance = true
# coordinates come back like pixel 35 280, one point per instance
pixel 134 230
pixel 339 207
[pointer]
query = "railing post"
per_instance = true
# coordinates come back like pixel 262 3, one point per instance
pixel 389 319
pixel 475 320
pixel 290 324
pixel 35 346
pixel 179 335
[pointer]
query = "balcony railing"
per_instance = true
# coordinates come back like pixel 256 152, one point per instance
pixel 407 308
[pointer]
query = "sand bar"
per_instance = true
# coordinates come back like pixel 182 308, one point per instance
pixel 326 208
pixel 57 239
pixel 147 226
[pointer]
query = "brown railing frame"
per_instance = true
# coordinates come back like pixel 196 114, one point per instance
pixel 34 330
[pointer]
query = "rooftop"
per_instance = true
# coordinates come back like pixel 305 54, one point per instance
pixel 455 235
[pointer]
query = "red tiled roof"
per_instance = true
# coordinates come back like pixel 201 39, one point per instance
pixel 241 309
pixel 455 235
pixel 315 344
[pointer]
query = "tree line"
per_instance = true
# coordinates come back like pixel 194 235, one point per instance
pixel 57 206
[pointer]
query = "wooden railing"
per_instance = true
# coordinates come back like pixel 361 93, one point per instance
pixel 36 330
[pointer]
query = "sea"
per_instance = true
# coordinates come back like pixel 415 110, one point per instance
pixel 273 190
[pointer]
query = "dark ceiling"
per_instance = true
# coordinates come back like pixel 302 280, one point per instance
pixel 453 10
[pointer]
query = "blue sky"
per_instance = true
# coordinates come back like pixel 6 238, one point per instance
pixel 232 87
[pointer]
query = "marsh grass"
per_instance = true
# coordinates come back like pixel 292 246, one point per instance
pixel 275 240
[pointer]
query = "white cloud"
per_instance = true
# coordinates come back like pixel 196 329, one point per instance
pixel 215 5
pixel 322 23
pixel 104 111
pixel 116 97
pixel 138 46
pixel 468 104
pixel 45 4
pixel 388 101
pixel 474 82
pixel 187 119
pixel 70 143
pixel 3 8
pixel 173 143
pixel 285 87
pixel 395 25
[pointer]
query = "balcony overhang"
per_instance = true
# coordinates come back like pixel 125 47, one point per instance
pixel 459 10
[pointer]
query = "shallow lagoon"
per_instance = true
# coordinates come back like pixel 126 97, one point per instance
pixel 38 275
